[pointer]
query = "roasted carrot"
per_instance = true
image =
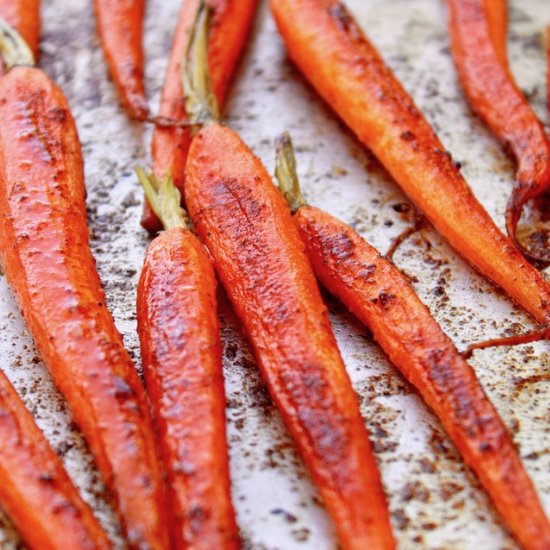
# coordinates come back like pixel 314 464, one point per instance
pixel 119 24
pixel 376 292
pixel 496 12
pixel 244 221
pixel 24 16
pixel 517 339
pixel 494 95
pixel 44 249
pixel 231 22
pixel 181 356
pixel 35 490
pixel 329 47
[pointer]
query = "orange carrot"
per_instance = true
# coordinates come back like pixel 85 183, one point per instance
pixel 329 47
pixel 119 24
pixel 35 489
pixel 494 95
pixel 496 12
pixel 45 252
pixel 23 16
pixel 182 362
pixel 517 339
pixel 244 222
pixel 383 299
pixel 231 22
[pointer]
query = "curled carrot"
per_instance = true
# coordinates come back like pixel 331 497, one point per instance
pixel 119 24
pixel 45 251
pixel 182 362
pixel 35 489
pixel 231 22
pixel 328 46
pixel 376 292
pixel 494 95
pixel 243 220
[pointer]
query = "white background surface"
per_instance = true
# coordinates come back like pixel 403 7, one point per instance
pixel 436 503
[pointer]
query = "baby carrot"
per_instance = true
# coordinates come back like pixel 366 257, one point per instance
pixel 494 95
pixel 244 221
pixel 45 251
pixel 231 22
pixel 35 490
pixel 119 23
pixel 376 292
pixel 329 47
pixel 181 355
pixel 23 16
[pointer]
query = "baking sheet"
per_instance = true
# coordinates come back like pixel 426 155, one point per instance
pixel 435 502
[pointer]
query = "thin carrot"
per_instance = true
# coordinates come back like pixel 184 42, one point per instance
pixel 23 16
pixel 35 490
pixel 496 12
pixel 517 339
pixel 45 252
pixel 383 299
pixel 494 95
pixel 231 22
pixel 329 47
pixel 182 362
pixel 244 221
pixel 119 23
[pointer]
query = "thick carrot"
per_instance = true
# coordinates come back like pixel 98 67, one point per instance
pixel 35 489
pixel 45 252
pixel 256 250
pixel 231 22
pixel 383 299
pixel 181 355
pixel 24 16
pixel 494 95
pixel 244 222
pixel 119 24
pixel 325 42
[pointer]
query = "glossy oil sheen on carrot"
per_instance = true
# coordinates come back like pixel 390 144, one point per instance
pixel 229 30
pixel 45 252
pixel 182 362
pixel 383 299
pixel 244 221
pixel 331 50
pixel 35 490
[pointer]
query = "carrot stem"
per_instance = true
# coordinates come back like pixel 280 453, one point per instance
pixel 285 172
pixel 13 48
pixel 200 101
pixel 164 198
